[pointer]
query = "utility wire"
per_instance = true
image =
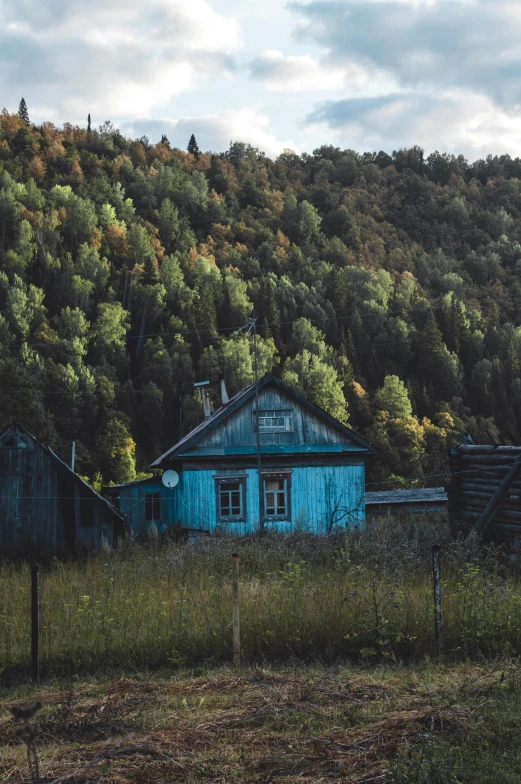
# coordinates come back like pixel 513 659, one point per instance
pixel 237 330
pixel 251 494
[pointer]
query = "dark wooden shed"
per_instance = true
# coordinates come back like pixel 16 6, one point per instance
pixel 485 490
pixel 44 505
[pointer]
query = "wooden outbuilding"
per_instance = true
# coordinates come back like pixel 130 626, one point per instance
pixel 485 490
pixel 44 506
pixel 267 458
pixel 421 499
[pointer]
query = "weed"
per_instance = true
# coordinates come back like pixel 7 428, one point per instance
pixel 362 594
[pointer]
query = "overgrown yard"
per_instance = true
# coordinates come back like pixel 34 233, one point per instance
pixel 427 724
pixel 358 596
pixel 340 680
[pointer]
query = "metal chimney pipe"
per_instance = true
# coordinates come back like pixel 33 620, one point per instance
pixel 205 397
pixel 206 402
pixel 224 393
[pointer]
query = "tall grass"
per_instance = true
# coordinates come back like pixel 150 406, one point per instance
pixel 365 593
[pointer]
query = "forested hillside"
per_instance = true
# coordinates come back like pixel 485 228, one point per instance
pixel 387 289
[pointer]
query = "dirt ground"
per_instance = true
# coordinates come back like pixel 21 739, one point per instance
pixel 299 724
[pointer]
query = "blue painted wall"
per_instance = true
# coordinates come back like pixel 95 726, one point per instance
pixel 132 503
pixel 316 491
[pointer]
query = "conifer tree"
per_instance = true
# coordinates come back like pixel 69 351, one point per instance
pixel 436 367
pixel 347 349
pixel 511 363
pixel 89 129
pixel 269 313
pixel 193 147
pixel 23 111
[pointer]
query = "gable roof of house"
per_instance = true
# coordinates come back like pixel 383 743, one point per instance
pixel 64 465
pixel 242 397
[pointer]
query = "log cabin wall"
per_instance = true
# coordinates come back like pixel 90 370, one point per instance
pixel 476 475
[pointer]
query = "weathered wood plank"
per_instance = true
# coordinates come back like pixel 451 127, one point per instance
pixel 488 513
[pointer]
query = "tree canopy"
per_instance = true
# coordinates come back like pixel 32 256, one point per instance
pixel 387 290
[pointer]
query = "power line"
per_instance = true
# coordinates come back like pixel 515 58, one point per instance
pixel 237 330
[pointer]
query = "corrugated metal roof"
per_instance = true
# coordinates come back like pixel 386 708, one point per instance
pixel 420 495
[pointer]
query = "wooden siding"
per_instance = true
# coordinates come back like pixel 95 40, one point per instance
pixel 325 463
pixel 308 429
pixel 417 498
pixel 44 506
pixel 315 491
pixel 132 504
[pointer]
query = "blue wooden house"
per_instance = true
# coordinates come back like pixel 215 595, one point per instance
pixel 312 470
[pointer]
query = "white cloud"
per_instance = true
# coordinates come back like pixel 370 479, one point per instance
pixel 302 73
pixel 215 131
pixel 446 73
pixel 111 57
pixel 441 73
pixel 457 121
pixel 448 44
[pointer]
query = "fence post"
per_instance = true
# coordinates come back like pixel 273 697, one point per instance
pixel 35 624
pixel 436 578
pixel 236 622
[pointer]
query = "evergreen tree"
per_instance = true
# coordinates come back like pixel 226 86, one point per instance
pixel 268 310
pixel 23 111
pixel 431 351
pixel 437 368
pixel 193 147
pixel 89 128
pixel 347 349
pixel 511 363
pixel 164 140
pixel 393 397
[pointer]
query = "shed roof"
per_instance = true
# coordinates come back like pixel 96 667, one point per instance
pixel 419 495
pixel 238 400
pixel 64 465
pixel 134 483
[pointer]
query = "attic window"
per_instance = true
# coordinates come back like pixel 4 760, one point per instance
pixel 273 421
pixel 14 439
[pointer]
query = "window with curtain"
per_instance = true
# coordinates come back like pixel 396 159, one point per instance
pixel 277 496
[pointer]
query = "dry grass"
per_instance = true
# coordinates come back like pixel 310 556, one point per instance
pixel 255 725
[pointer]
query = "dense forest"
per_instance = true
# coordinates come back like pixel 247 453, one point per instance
pixel 387 289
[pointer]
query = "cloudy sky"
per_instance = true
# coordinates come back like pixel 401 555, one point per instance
pixel 360 74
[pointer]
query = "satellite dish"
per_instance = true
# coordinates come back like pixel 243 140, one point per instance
pixel 170 479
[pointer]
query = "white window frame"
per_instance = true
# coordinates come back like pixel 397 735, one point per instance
pixel 152 503
pixel 272 420
pixel 220 487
